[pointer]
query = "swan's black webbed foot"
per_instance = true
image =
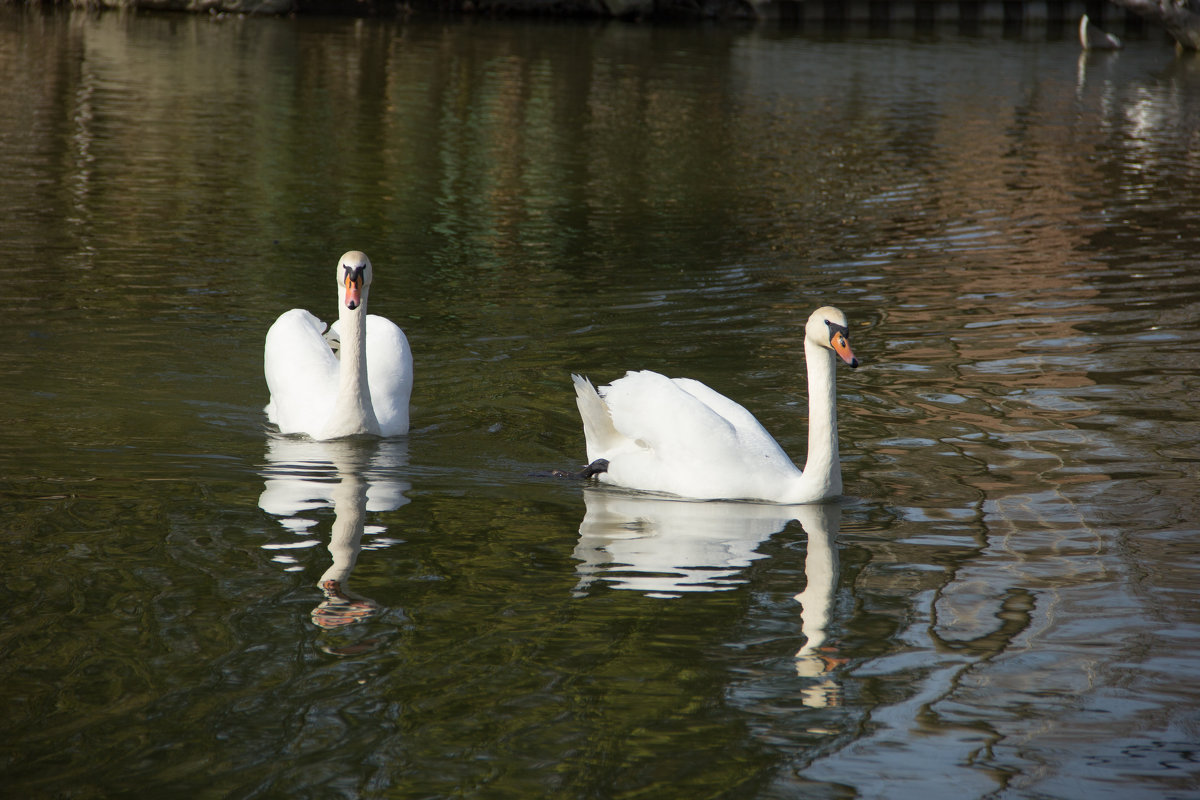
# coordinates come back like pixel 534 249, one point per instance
pixel 595 468
pixel 590 471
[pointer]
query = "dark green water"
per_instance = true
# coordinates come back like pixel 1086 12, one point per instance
pixel 1004 604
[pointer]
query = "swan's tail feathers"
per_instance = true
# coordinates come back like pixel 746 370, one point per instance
pixel 599 432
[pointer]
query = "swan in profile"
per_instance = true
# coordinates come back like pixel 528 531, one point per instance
pixel 327 395
pixel 678 436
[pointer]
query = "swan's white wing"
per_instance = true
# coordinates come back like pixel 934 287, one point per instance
pixel 659 414
pixel 645 411
pixel 389 373
pixel 687 446
pixel 301 371
pixel 753 439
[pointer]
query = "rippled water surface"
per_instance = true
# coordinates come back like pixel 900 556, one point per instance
pixel 1004 604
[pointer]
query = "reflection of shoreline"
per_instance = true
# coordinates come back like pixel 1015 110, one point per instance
pixel 352 476
pixel 666 548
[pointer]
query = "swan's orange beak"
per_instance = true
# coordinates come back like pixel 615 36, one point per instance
pixel 841 346
pixel 353 290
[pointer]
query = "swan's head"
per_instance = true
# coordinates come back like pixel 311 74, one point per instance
pixel 354 277
pixel 827 327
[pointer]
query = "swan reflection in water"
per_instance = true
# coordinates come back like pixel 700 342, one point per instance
pixel 352 476
pixel 816 660
pixel 668 547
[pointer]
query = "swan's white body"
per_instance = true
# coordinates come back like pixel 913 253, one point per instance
pixel 680 437
pixel 363 390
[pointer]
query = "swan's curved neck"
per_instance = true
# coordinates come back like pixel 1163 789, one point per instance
pixel 822 475
pixel 352 411
pixel 345 543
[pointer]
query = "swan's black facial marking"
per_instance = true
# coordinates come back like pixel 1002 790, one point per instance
pixel 353 281
pixel 835 329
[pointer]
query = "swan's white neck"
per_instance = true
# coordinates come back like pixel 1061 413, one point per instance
pixel 822 475
pixel 352 411
pixel 349 508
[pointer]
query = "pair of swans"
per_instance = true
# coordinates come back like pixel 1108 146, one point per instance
pixel 644 431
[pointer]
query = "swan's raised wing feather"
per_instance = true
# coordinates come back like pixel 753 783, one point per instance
pixel 659 414
pixel 389 374
pixel 301 371
pixel 753 439
pixel 691 441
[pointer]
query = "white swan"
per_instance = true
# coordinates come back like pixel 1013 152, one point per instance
pixel 652 433
pixel 327 395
